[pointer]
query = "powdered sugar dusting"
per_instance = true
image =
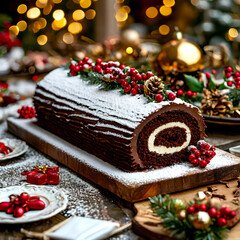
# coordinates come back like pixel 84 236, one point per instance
pixel 76 93
pixel 129 179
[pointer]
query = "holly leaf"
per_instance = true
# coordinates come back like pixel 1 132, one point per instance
pixel 193 83
pixel 223 86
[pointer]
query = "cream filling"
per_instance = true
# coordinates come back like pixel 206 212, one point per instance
pixel 167 150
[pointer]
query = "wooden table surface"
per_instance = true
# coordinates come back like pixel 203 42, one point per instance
pixel 87 199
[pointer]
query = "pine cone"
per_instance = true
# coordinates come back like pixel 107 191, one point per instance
pixel 216 103
pixel 153 86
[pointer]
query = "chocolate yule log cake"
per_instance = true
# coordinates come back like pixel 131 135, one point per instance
pixel 126 130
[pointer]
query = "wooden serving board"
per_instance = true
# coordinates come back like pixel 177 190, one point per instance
pixel 132 187
pixel 146 224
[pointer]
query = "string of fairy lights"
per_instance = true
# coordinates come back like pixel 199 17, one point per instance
pixel 73 20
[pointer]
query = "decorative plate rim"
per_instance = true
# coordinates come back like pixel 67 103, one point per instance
pixel 221 120
pixel 22 145
pixel 59 198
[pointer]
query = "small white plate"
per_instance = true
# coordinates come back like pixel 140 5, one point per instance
pixel 235 150
pixel 55 202
pixel 19 147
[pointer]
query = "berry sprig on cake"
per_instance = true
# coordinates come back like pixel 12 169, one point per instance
pixel 112 75
pixel 201 154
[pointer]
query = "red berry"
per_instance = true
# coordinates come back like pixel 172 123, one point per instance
pixel 229 69
pixel 190 209
pixel 141 87
pixel 237 74
pixel 122 66
pixel 198 153
pixel 112 77
pixel 224 211
pixel 203 163
pixel 76 68
pixel 134 91
pixel 123 75
pixel 214 72
pixel 133 84
pixel 80 62
pixel 138 77
pixel 159 97
pixel 191 157
pixel 207 146
pixel 133 78
pixel 85 59
pixel 127 89
pixel 149 74
pixel 208 75
pixel 71 67
pixel 99 61
pixel 228 75
pixel 171 96
pixel 195 162
pixel 133 71
pixel 194 94
pixel 144 76
pixel 172 88
pixel 98 68
pixel 212 212
pixel 232 214
pixel 229 83
pixel 124 84
pixel 203 207
pixel 222 222
pixel 108 70
pixel 189 93
pixel 136 87
pixel 180 92
pixel 35 78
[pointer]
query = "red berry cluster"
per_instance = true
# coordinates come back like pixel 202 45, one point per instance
pixel 5 149
pixel 129 79
pixel 221 217
pixel 19 204
pixel 233 77
pixel 189 94
pixel 3 85
pixel 27 112
pixel 201 154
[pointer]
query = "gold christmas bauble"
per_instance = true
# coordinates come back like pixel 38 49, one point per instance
pixel 181 55
pixel 201 220
pixel 130 38
pixel 182 214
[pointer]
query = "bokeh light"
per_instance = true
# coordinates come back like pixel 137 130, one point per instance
pixel 165 11
pixel 68 38
pixel 233 32
pixel 58 14
pixel 85 3
pixel 33 13
pixel 127 8
pixel 57 1
pixel 169 3
pixel 22 9
pixel 14 29
pixel 78 15
pixel 129 50
pixel 58 24
pixel 43 22
pixel 22 25
pixel 164 29
pixel 75 27
pixel 42 39
pixel 41 3
pixel 47 9
pixel 121 14
pixel 151 12
pixel 90 14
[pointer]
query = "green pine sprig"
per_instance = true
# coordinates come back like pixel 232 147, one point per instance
pixel 165 208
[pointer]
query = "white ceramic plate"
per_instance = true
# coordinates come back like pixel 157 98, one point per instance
pixel 55 202
pixel 19 147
